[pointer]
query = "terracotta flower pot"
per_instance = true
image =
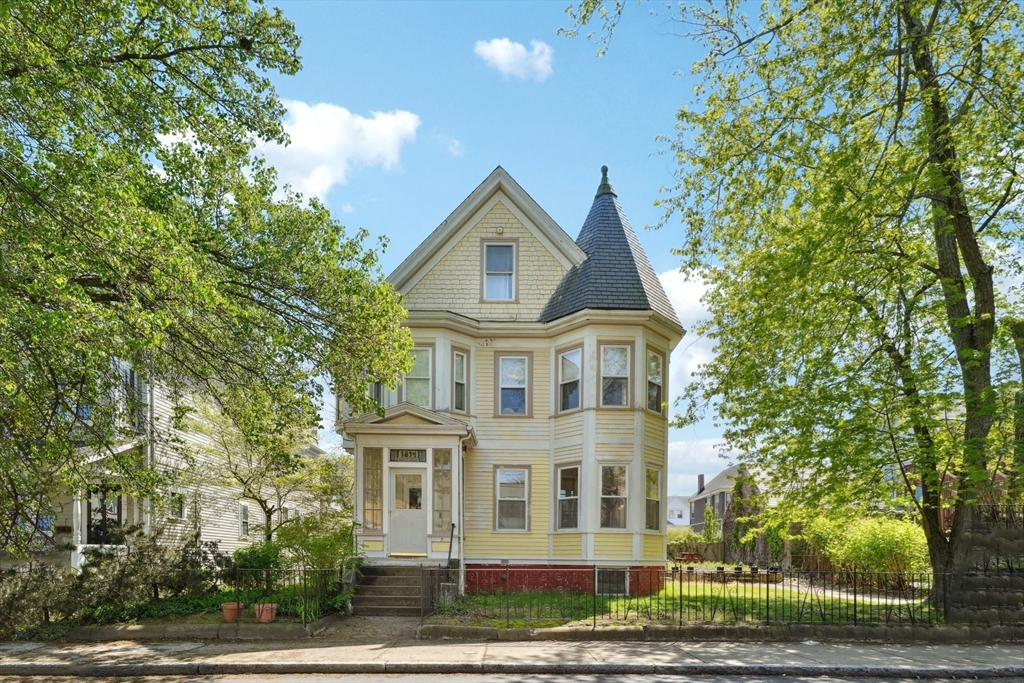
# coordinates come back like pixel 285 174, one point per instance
pixel 232 610
pixel 266 612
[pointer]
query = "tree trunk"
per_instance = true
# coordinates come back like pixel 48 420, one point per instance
pixel 1016 483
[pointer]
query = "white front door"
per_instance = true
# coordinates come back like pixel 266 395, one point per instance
pixel 408 514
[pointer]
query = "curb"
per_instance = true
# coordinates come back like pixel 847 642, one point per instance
pixel 522 668
pixel 934 634
pixel 244 631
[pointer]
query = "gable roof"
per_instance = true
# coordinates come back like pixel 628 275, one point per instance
pixel 616 274
pixel 459 221
pixel 722 480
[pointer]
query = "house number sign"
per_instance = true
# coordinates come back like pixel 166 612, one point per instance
pixel 406 455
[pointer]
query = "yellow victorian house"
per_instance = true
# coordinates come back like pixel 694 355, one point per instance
pixel 532 429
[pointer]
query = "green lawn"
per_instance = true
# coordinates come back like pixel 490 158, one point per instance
pixel 693 601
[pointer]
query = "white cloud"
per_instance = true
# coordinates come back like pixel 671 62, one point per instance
pixel 513 59
pixel 347 208
pixel 687 459
pixel 685 295
pixel 328 141
pixel 455 148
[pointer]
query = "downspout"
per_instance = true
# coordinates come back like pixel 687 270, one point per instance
pixel 462 512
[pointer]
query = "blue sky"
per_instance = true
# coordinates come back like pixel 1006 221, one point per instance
pixel 402 108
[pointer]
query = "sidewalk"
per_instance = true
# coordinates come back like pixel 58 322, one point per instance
pixel 388 648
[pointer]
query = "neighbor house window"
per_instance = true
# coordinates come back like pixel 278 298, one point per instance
pixel 568 497
pixel 285 515
pixel 614 375
pixel 243 519
pixel 653 494
pixel 373 489
pixel 416 385
pixel 499 272
pixel 512 489
pixel 459 381
pixel 613 497
pixel 176 506
pixel 513 385
pixel 569 379
pixel 655 367
pixel 442 505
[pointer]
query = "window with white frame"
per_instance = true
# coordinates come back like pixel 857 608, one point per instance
pixel 442 503
pixel 613 497
pixel 569 366
pixel 416 385
pixel 499 272
pixel 614 375
pixel 568 497
pixel 459 374
pixel 653 495
pixel 512 488
pixel 285 514
pixel 176 505
pixel 243 519
pixel 373 489
pixel 513 385
pixel 655 373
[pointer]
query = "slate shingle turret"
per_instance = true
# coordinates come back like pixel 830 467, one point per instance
pixel 616 274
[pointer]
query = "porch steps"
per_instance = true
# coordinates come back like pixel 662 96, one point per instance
pixel 388 591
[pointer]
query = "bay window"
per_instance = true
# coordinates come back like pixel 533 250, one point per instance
pixel 568 497
pixel 655 372
pixel 513 385
pixel 569 366
pixel 614 375
pixel 653 495
pixel 613 497
pixel 416 384
pixel 512 498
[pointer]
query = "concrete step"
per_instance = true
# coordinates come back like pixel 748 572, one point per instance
pixel 404 581
pixel 368 589
pixel 385 601
pixel 387 611
pixel 375 570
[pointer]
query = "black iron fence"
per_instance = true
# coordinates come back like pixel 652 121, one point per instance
pixel 305 595
pixel 512 597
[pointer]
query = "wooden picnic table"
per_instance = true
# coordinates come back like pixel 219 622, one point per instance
pixel 688 558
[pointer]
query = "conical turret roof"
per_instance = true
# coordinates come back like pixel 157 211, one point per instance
pixel 616 274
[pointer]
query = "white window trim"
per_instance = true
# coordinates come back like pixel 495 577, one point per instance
pixel 244 519
pixel 430 376
pixel 657 517
pixel 661 408
pixel 601 374
pixel 456 352
pixel 559 497
pixel 515 269
pixel 578 380
pixel 497 498
pixel 625 498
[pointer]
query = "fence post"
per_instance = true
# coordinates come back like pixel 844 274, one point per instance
pixel 855 596
pixel 593 600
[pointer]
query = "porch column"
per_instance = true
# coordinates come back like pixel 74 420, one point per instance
pixel 76 530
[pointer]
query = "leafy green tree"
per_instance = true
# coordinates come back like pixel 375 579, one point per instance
pixel 712 532
pixel 139 238
pixel 850 184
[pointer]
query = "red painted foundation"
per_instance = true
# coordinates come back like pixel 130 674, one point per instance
pixel 494 578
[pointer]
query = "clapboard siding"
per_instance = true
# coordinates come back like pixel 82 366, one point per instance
pixel 613 546
pixel 482 542
pixel 567 546
pixel 654 547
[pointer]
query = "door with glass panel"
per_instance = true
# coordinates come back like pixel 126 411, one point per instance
pixel 408 528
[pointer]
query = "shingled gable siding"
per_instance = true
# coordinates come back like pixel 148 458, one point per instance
pixel 454 283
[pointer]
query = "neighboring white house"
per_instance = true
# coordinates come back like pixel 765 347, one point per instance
pixel 88 518
pixel 678 510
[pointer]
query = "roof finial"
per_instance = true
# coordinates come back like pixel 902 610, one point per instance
pixel 605 187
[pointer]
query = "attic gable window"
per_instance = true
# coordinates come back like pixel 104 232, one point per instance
pixel 499 271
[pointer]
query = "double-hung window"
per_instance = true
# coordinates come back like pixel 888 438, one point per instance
pixel 655 373
pixel 613 497
pixel 499 272
pixel 614 375
pixel 416 384
pixel 653 495
pixel 512 488
pixel 243 520
pixel 442 503
pixel 568 497
pixel 569 366
pixel 176 506
pixel 459 374
pixel 513 385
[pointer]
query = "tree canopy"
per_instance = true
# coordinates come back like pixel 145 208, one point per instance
pixel 850 185
pixel 142 243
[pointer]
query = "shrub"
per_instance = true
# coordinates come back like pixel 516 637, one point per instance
pixel 262 555
pixel 712 525
pixel 324 541
pixel 683 541
pixel 874 544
